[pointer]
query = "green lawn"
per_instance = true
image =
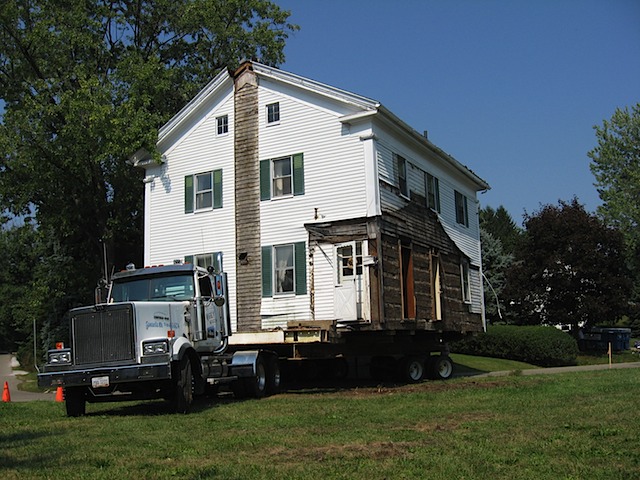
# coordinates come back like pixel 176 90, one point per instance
pixel 566 426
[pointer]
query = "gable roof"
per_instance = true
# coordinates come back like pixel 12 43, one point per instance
pixel 367 106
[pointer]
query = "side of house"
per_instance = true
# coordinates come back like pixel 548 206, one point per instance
pixel 321 206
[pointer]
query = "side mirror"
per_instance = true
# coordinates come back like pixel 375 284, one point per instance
pixel 219 301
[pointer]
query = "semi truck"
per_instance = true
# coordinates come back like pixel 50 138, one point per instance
pixel 163 332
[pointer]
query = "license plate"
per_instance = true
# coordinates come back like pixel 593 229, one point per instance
pixel 100 382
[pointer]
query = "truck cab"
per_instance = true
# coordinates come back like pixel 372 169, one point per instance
pixel 163 333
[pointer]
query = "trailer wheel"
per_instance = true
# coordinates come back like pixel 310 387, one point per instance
pixel 274 376
pixel 75 401
pixel 412 369
pixel 183 387
pixel 441 367
pixel 256 386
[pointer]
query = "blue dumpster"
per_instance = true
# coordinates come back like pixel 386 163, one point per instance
pixel 598 339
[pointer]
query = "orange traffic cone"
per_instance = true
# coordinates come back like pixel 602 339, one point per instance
pixel 59 395
pixel 6 396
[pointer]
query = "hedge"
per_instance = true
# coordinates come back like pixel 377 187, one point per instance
pixel 542 346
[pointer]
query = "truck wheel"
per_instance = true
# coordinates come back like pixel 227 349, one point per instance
pixel 274 377
pixel 256 387
pixel 183 387
pixel 412 369
pixel 75 401
pixel 441 367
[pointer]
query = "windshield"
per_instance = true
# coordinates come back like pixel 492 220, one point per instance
pixel 168 288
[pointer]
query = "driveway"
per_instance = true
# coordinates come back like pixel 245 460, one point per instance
pixel 11 376
pixel 549 370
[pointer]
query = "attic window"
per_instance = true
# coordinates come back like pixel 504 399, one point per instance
pixel 273 113
pixel 222 125
pixel 462 212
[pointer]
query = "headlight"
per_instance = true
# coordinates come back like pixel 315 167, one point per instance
pixel 155 348
pixel 60 357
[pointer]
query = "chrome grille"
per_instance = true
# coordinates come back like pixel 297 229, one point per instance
pixel 105 335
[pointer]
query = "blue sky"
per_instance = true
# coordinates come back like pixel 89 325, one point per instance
pixel 510 88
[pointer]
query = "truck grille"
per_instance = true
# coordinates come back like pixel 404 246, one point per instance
pixel 103 335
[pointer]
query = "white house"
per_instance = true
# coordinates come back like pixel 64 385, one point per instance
pixel 321 206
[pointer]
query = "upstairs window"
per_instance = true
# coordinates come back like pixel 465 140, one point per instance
pixel 282 177
pixel 462 213
pixel 203 191
pixel 222 125
pixel 401 167
pixel 432 188
pixel 273 113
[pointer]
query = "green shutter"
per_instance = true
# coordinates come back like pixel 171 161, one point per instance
pixel 265 179
pixel 217 189
pixel 267 272
pixel 188 259
pixel 298 174
pixel 188 194
pixel 301 268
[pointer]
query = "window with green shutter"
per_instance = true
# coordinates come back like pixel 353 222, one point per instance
pixel 284 269
pixel 282 177
pixel 203 191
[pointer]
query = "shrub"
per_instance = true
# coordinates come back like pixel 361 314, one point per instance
pixel 543 346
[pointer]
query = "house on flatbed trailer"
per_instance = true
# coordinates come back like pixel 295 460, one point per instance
pixel 335 221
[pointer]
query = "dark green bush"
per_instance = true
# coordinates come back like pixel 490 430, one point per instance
pixel 543 346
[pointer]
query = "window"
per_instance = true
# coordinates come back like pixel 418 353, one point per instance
pixel 466 284
pixel 203 191
pixel 432 189
pixel 282 177
pixel 284 269
pixel 401 165
pixel 222 124
pixel 273 113
pixel 462 214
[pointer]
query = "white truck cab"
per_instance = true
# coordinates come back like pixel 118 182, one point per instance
pixel 163 333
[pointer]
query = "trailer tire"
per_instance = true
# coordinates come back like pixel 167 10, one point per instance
pixel 75 401
pixel 412 369
pixel 441 367
pixel 274 376
pixel 182 396
pixel 256 386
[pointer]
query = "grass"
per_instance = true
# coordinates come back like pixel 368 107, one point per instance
pixel 567 426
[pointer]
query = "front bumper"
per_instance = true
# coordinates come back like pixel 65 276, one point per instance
pixel 75 377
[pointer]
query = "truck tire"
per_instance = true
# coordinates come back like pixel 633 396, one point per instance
pixel 75 401
pixel 274 377
pixel 440 367
pixel 182 397
pixel 412 369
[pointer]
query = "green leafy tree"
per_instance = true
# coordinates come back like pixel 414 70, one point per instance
pixel 615 163
pixel 85 85
pixel 570 269
pixel 501 226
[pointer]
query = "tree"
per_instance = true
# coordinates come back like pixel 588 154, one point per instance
pixel 499 236
pixel 502 227
pixel 495 263
pixel 570 269
pixel 85 85
pixel 615 163
pixel 616 167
